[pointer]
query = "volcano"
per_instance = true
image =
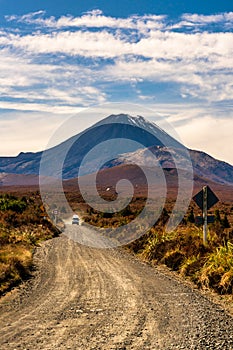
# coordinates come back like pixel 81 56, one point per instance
pixel 132 136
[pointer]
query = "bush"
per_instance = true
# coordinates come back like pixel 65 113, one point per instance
pixel 13 204
pixel 217 273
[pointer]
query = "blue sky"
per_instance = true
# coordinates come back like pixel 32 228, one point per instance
pixel 175 57
pixel 116 8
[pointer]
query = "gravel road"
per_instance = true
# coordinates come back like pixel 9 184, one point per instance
pixel 89 298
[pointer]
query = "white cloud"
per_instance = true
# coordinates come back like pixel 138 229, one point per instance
pixel 95 12
pixel 203 19
pixel 92 19
pixel 156 44
pixel 197 21
pixel 27 17
pixel 87 44
pixel 45 86
pixel 198 79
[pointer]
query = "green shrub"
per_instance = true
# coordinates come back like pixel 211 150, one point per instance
pixel 13 204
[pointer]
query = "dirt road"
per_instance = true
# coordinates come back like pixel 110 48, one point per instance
pixel 88 298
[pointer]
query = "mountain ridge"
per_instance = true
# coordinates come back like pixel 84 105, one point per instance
pixel 204 165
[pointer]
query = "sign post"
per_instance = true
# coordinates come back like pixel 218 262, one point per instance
pixel 55 212
pixel 205 214
pixel 205 199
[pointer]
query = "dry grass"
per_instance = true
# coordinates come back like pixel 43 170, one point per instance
pixel 217 272
pixel 183 251
pixel 22 227
pixel 15 265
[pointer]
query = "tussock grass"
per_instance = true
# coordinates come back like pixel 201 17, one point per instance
pixel 183 251
pixel 217 272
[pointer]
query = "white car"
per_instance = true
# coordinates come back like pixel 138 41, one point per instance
pixel 75 220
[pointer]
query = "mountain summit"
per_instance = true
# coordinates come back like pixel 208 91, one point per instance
pixel 163 139
pixel 103 142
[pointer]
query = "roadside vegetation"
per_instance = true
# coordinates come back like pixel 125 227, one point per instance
pixel 22 228
pixel 183 251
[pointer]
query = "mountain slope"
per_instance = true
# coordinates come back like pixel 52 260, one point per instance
pixel 211 168
pixel 24 163
pixel 18 180
pixel 108 178
pixel 204 165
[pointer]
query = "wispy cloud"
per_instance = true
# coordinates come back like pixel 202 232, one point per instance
pixel 195 22
pixel 203 19
pixel 92 19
